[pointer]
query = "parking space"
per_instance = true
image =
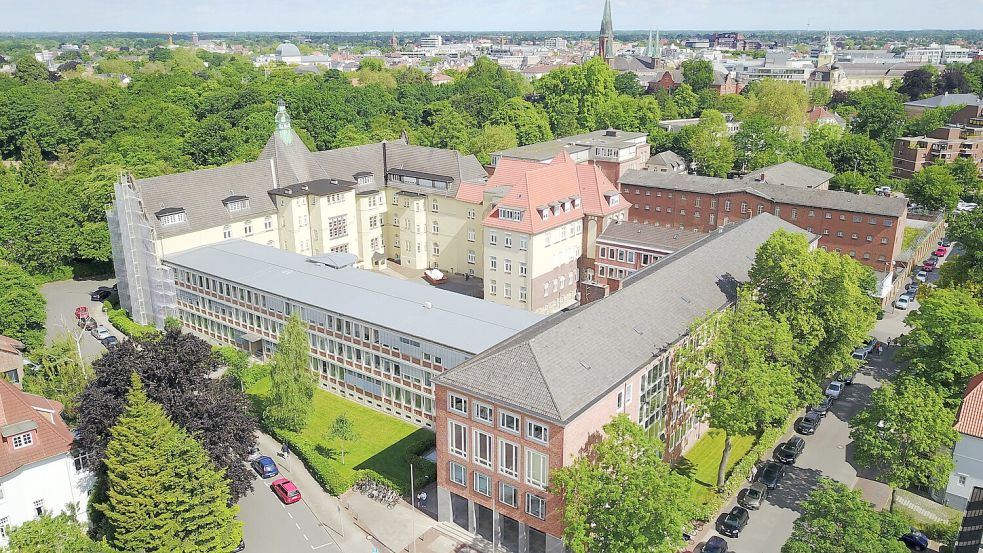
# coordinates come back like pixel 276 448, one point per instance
pixel 62 299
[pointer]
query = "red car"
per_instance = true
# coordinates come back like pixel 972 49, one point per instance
pixel 928 266
pixel 940 252
pixel 286 491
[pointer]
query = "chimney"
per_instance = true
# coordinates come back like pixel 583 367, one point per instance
pixel 761 177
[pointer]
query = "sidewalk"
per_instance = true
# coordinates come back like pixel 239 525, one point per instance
pixel 356 523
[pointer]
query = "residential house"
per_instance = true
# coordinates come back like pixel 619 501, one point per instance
pixel 968 453
pixel 943 145
pixel 11 360
pixel 509 418
pixel 667 162
pixel 38 471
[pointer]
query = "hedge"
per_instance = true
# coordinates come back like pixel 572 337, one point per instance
pixel 123 323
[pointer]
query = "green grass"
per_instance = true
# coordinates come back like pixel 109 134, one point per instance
pixel 911 235
pixel 702 461
pixel 383 442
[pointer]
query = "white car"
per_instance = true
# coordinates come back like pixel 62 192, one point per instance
pixel 834 389
pixel 902 302
pixel 966 206
pixel 920 276
pixel 101 333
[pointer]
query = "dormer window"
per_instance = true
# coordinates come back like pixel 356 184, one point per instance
pixel 510 214
pixel 237 205
pixel 23 440
pixel 556 209
pixel 614 200
pixel 171 216
pixel 545 213
pixel 364 178
pixel 566 206
pixel 576 202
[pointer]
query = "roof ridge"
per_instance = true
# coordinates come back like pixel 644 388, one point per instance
pixel 547 383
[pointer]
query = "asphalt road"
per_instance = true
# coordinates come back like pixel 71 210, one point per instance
pixel 828 452
pixel 62 299
pixel 269 525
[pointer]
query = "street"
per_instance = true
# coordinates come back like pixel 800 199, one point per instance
pixel 269 525
pixel 62 299
pixel 828 453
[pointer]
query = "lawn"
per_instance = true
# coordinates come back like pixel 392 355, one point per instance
pixel 911 236
pixel 701 462
pixel 383 444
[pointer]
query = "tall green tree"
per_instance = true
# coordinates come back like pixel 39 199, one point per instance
pixel 622 496
pixel 698 74
pixel 934 187
pixel 61 533
pixel 966 270
pixel 917 83
pixel 293 382
pixel 687 102
pixel 33 168
pixel 709 147
pixel 760 142
pixel 530 122
pixel 907 434
pixel 858 153
pixel 967 175
pixel 627 83
pixel 852 181
pixel 837 519
pixel 943 347
pixel 162 492
pixel 880 114
pixel 30 70
pixel 742 380
pixel 22 307
pixel 784 103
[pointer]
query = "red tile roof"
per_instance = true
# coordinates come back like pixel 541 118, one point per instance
pixel 970 418
pixel 470 193
pixel 534 185
pixel 52 437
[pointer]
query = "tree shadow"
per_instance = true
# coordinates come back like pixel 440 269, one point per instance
pixel 393 462
pixel 685 467
pixel 794 488
pixel 328 452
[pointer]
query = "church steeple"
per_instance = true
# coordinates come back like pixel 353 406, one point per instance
pixel 650 50
pixel 828 54
pixel 658 45
pixel 605 44
pixel 283 122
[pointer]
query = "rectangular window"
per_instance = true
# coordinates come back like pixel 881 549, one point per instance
pixel 538 432
pixel 523 244
pixel 173 218
pixel 38 507
pixel 23 440
pixel 482 484
pixel 537 469
pixel 508 421
pixel 523 293
pixel 458 474
pixel 620 403
pixel 508 459
pixel 492 238
pixel 434 207
pixel 536 506
pixel 457 404
pixel 471 213
pixel 523 268
pixel 508 240
pixel 471 256
pixel 337 227
pixel 483 413
pixel 457 439
pixel 726 205
pixel 483 449
pixel 507 266
pixel 508 495
pixel 509 214
pixel 627 394
pixel 493 263
pixel 493 287
pixel 470 235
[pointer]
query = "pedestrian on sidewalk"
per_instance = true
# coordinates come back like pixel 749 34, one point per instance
pixel 421 499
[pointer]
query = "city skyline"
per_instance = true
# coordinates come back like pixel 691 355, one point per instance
pixel 502 15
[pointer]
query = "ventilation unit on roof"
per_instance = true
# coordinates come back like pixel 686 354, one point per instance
pixel 334 181
pixel 427 305
pixel 287 191
pixel 610 132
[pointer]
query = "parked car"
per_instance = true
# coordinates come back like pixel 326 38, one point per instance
pixel 789 451
pixel 91 324
pixel 822 408
pixel 921 276
pixel 860 354
pixel 902 302
pixel 913 286
pixel 809 423
pixel 101 332
pixel 239 548
pixel 734 522
pixel 915 540
pixel 265 467
pixel 966 206
pixel 286 491
pixel 847 376
pixel 940 251
pixel 771 474
pixel 945 242
pixel 928 266
pixel 101 293
pixel 869 345
pixel 753 496
pixel 833 389
pixel 715 544
pixel 109 341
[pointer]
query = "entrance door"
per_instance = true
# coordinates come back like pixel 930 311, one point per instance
pixel 459 511
pixel 510 534
pixel 486 523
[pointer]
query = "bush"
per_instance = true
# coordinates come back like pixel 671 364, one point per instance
pixel 326 475
pixel 424 471
pixel 944 532
pixel 123 323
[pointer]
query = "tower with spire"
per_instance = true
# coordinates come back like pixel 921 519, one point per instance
pixel 282 119
pixel 828 54
pixel 394 42
pixel 605 43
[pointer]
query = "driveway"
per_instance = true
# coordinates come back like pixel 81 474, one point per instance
pixel 62 299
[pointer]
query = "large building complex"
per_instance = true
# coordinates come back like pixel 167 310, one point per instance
pixel 511 416
pixel 38 471
pixel 867 228
pixel 380 201
pixel 961 139
pixel 376 339
pixel 542 229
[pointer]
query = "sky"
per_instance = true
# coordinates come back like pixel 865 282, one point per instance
pixel 474 15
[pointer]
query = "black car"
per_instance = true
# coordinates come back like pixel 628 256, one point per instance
pixel 109 341
pixel 101 294
pixel 716 544
pixel 847 376
pixel 734 522
pixel 823 407
pixel 945 243
pixel 809 423
pixel 915 540
pixel 789 451
pixel 771 474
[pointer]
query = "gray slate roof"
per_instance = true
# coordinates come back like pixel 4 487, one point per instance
pixel 792 174
pixel 544 151
pixel 810 197
pixel 559 367
pixel 650 236
pixel 947 100
pixel 461 322
pixel 668 159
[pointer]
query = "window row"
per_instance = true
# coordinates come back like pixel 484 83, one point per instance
pixel 507 494
pixel 507 421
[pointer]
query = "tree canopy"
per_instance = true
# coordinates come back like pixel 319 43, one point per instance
pixel 292 381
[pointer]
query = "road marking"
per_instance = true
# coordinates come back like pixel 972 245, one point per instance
pixel 297 525
pixel 316 547
pixel 289 514
pixel 305 537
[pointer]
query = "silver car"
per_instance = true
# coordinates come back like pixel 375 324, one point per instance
pixel 834 389
pixel 101 332
pixel 903 302
pixel 754 496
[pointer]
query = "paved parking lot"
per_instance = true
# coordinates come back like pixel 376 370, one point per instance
pixel 62 299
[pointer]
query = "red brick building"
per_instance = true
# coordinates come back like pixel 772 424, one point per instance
pixel 510 417
pixel 867 228
pixel 943 145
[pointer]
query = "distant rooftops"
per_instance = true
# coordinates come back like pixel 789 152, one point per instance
pixel 654 237
pixel 943 100
pixel 558 368
pixel 545 151
pixel 329 282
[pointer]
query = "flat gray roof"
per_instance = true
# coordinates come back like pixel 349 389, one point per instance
pixel 454 320
pixel 542 151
